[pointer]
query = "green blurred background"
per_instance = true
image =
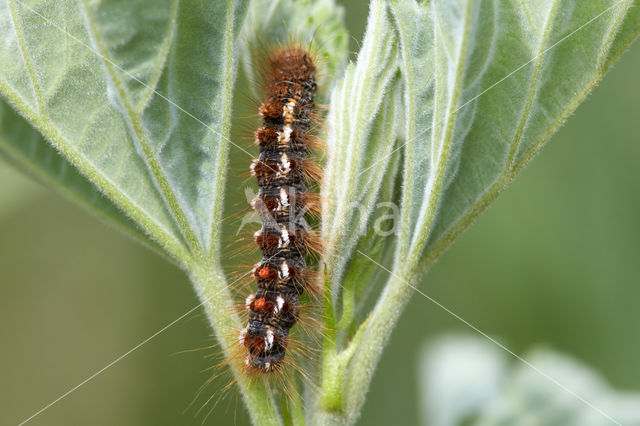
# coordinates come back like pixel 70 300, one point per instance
pixel 555 260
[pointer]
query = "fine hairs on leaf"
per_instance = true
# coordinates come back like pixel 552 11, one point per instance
pixel 126 107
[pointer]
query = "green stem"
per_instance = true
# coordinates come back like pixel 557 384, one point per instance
pixel 334 370
pixel 374 335
pixel 217 302
pixel 292 411
pixel 331 393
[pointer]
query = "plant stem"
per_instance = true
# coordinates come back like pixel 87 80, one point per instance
pixel 375 333
pixel 217 302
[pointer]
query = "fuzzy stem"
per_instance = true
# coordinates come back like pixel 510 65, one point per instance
pixel 218 304
pixel 364 351
pixel 334 371
pixel 331 394
pixel 375 337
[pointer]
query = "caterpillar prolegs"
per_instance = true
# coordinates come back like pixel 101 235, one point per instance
pixel 281 170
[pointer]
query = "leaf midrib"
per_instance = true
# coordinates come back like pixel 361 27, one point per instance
pixel 156 230
pixel 403 243
pixel 140 133
pixel 425 220
pixel 358 104
pixel 213 244
pixel 524 118
pixel 443 243
pixel 159 64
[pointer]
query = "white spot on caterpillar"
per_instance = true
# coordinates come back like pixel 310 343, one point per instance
pixel 268 341
pixel 279 304
pixel 287 111
pixel 243 334
pixel 286 131
pixel 284 237
pixel 285 165
pixel 252 167
pixel 246 360
pixel 267 366
pixel 284 270
pixel 250 298
pixel 258 233
pixel 284 199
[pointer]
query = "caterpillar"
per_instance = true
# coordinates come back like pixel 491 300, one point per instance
pixel 282 169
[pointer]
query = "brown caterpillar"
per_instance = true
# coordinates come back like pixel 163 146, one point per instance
pixel 281 170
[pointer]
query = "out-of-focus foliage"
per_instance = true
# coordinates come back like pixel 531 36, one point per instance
pixel 468 380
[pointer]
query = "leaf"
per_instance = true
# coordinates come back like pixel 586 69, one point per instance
pixel 506 76
pixel 360 131
pixel 485 84
pixel 137 97
pixel 25 148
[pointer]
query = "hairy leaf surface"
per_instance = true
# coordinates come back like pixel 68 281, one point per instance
pixel 136 95
pixel 485 84
pixel 505 76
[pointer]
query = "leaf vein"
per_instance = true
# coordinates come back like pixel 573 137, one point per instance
pixel 150 88
pixel 140 134
pixel 155 229
pixel 17 26
pixel 524 118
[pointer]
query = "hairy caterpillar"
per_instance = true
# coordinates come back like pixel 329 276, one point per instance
pixel 281 170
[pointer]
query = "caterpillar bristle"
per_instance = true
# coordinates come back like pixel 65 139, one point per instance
pixel 283 171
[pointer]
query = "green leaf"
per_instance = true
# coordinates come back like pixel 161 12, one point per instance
pixel 132 97
pixel 136 96
pixel 485 85
pixel 356 141
pixel 56 81
pixel 506 77
pixel 26 149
